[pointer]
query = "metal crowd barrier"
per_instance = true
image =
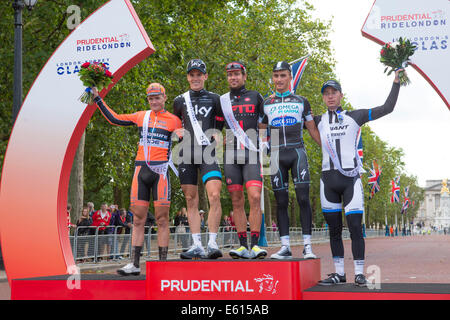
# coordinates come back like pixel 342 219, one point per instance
pixel 94 244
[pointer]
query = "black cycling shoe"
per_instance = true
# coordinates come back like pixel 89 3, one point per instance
pixel 360 280
pixel 333 278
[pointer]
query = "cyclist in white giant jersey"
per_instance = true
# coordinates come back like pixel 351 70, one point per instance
pixel 285 114
pixel 340 183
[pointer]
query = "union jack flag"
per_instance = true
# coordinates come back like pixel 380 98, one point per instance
pixel 298 67
pixel 395 191
pixel 359 148
pixel 374 179
pixel 406 200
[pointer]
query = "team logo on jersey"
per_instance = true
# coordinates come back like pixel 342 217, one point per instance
pixel 204 111
pixel 247 99
pixel 229 181
pixel 286 121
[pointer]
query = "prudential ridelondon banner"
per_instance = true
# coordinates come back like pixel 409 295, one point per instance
pixel 426 23
pixel 46 134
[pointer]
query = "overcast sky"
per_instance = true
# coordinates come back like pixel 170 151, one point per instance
pixel 420 121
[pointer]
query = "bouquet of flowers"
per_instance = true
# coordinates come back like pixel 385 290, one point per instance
pixel 94 75
pixel 396 55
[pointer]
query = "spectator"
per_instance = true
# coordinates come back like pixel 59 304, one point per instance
pixel 91 209
pixel 150 222
pixel 84 221
pixel 233 226
pixel 126 217
pixel 202 220
pixel 391 231
pixel 101 219
pixel 225 223
pixel 83 224
pixel 119 222
pixel 69 223
pixel 180 223
pixel 274 226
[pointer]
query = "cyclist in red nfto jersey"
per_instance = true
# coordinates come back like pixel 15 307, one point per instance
pixel 150 176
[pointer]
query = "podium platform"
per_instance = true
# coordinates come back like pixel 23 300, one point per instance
pixel 386 291
pixel 223 279
pixel 228 279
pixel 87 287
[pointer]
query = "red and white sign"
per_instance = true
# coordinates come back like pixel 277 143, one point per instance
pixel 427 25
pixel 236 280
pixel 45 137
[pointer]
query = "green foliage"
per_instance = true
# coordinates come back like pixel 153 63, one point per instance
pixel 257 32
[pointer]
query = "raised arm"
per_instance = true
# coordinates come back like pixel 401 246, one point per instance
pixel 365 115
pixel 110 115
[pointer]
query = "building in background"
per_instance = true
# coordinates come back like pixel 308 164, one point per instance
pixel 434 211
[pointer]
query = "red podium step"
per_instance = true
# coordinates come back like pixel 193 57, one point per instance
pixel 231 279
pixel 181 280
pixel 386 291
pixel 89 287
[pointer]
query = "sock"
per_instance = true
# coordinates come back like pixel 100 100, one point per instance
pixel 212 240
pixel 196 237
pixel 254 238
pixel 339 265
pixel 359 266
pixel 285 241
pixel 243 239
pixel 136 255
pixel 306 239
pixel 163 253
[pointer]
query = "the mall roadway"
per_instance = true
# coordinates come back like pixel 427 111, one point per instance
pixel 412 259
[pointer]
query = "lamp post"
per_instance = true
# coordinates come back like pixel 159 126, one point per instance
pixel 18 6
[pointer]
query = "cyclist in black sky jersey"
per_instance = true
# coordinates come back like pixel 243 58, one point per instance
pixel 200 111
pixel 340 183
pixel 286 114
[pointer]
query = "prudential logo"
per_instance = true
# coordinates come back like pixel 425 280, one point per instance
pixel 265 283
pixel 103 43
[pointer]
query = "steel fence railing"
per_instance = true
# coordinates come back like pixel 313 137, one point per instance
pixel 93 244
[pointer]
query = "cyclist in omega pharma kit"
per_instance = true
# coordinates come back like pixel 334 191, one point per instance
pixel 285 115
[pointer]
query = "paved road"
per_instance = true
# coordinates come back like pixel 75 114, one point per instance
pixel 416 259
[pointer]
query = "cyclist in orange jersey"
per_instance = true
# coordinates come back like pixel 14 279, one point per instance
pixel 152 160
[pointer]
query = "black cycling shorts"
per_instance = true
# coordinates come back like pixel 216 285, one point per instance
pixel 293 159
pixel 238 174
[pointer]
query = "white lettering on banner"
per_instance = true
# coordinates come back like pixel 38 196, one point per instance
pixel 206 286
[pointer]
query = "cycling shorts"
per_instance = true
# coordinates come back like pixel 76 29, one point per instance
pixel 337 189
pixel 238 174
pixel 293 159
pixel 146 182
pixel 188 173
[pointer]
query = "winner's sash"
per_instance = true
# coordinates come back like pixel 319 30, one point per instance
pixel 202 139
pixel 328 143
pixel 238 132
pixel 160 168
